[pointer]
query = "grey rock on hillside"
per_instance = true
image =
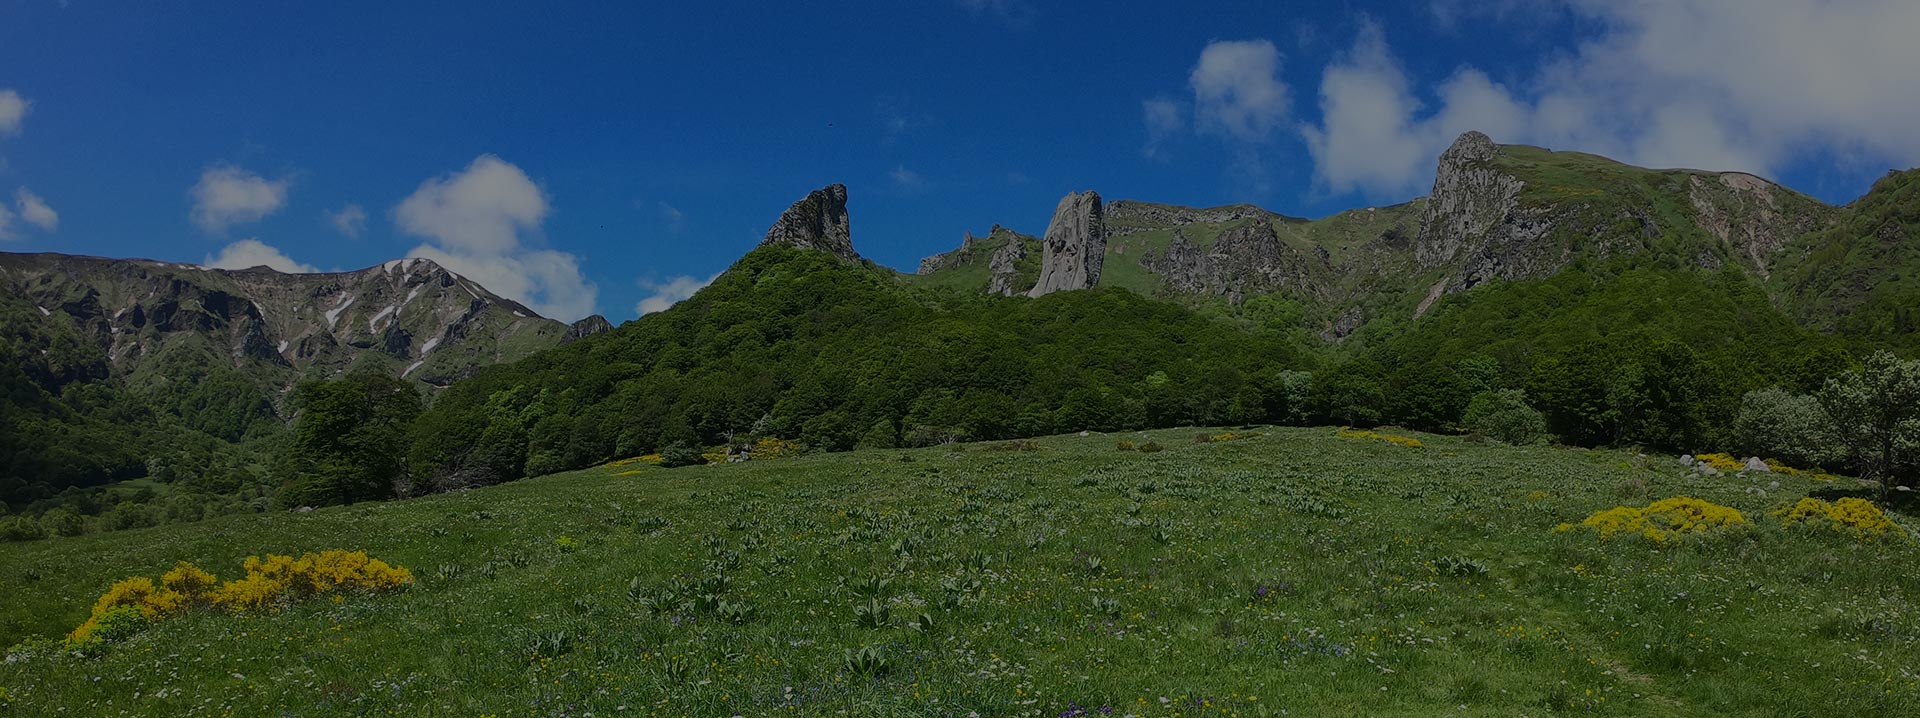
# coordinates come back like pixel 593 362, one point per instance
pixel 1074 247
pixel 1470 196
pixel 818 221
pixel 410 317
pixel 1249 258
pixel 587 327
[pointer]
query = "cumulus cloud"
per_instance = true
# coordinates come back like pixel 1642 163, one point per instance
pixel 1369 138
pixel 35 210
pixel 350 220
pixel 1237 92
pixel 13 112
pixel 670 292
pixel 250 253
pixel 227 195
pixel 6 224
pixel 1710 84
pixel 1164 119
pixel 473 221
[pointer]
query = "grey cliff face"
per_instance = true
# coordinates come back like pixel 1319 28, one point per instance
pixel 1074 247
pixel 819 222
pixel 1004 267
pixel 1246 259
pixel 1470 197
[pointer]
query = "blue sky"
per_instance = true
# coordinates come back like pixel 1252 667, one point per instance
pixel 594 159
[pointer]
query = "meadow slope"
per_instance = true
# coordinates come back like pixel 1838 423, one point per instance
pixel 1290 573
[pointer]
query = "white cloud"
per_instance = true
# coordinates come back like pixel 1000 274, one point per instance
pixel 1164 119
pixel 473 221
pixel 1236 90
pixel 13 112
pixel 1709 84
pixel 1368 137
pixel 907 178
pixel 6 224
pixel 670 292
pixel 481 209
pixel 675 218
pixel 350 220
pixel 250 253
pixel 35 210
pixel 227 196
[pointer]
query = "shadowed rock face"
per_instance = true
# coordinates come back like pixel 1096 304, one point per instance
pixel 411 317
pixel 587 327
pixel 1074 246
pixel 818 221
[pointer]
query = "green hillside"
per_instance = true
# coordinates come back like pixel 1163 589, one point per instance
pixel 1289 573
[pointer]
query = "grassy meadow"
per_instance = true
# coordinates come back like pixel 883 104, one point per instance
pixel 1290 573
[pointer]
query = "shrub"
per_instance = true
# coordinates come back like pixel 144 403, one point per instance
pixel 1855 517
pixel 1389 438
pixel 679 454
pixel 1149 447
pixel 63 522
pixel 21 528
pixel 113 624
pixel 1661 520
pixel 1775 422
pixel 1505 415
pixel 1123 445
pixel 276 580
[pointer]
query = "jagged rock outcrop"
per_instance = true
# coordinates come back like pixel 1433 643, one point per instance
pixel 1470 197
pixel 1127 216
pixel 411 316
pixel 1001 252
pixel 1249 258
pixel 1182 265
pixel 819 222
pixel 1004 267
pixel 1075 246
pixel 587 327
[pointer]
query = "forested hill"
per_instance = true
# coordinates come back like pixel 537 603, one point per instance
pixel 123 368
pixel 803 345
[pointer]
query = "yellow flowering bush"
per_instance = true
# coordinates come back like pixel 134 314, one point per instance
pixel 1389 438
pixel 771 448
pixel 1227 436
pixel 1661 520
pixel 130 604
pixel 1723 462
pixel 277 580
pixel 1856 517
pixel 1776 467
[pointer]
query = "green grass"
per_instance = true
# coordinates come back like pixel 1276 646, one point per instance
pixel 1293 573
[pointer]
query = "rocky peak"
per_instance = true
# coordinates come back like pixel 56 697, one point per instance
pixel 1074 246
pixel 818 221
pixel 587 327
pixel 1470 196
